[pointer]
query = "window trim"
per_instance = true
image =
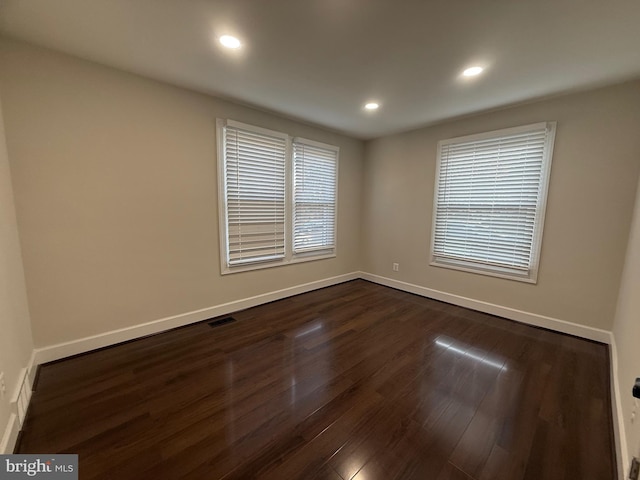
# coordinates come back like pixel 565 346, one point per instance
pixel 289 257
pixel 536 243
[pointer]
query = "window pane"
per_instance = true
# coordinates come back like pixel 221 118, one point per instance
pixel 314 192
pixel 254 169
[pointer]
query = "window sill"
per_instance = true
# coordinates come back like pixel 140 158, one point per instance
pixel 487 271
pixel 299 258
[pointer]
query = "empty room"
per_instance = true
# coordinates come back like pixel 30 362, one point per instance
pixel 324 239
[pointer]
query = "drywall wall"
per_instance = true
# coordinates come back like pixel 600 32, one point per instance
pixel 116 191
pixel 626 332
pixel 15 329
pixel 591 194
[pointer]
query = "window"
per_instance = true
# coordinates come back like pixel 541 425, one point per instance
pixel 490 199
pixel 254 172
pixel 277 198
pixel 314 197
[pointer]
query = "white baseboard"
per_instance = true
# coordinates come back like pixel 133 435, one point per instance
pixel 82 345
pixel 618 414
pixel 18 404
pixel 22 396
pixel 534 319
pixel 10 435
pixel 62 350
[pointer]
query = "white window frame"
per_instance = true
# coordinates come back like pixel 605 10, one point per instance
pixel 491 270
pixel 289 257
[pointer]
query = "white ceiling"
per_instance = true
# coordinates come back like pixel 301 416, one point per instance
pixel 320 60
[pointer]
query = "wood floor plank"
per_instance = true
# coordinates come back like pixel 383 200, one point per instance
pixel 351 382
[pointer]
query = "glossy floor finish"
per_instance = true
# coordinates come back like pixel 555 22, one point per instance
pixel 355 381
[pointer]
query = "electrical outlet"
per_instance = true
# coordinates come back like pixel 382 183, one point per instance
pixel 3 386
pixel 396 267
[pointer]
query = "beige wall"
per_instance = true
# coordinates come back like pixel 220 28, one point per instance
pixel 116 192
pixel 591 194
pixel 115 189
pixel 15 330
pixel 626 331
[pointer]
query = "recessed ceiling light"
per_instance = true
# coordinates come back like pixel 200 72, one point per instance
pixel 229 41
pixel 472 71
pixel 371 106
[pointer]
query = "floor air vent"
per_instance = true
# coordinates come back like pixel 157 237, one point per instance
pixel 222 321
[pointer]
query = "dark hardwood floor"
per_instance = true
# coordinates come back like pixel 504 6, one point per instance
pixel 355 381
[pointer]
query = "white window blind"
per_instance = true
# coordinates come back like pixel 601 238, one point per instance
pixel 314 196
pixel 490 197
pixel 254 182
